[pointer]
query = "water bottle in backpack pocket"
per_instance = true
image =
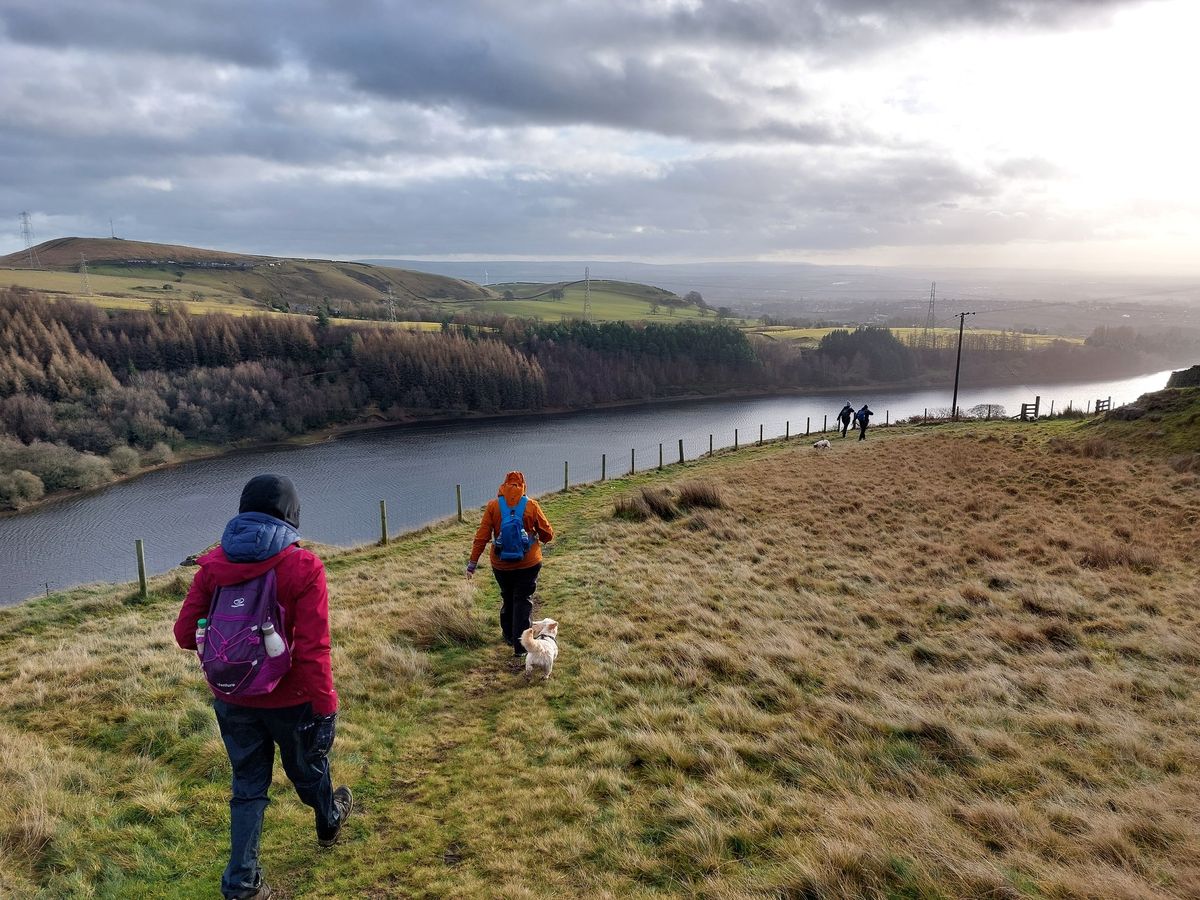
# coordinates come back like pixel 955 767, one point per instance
pixel 237 659
pixel 513 541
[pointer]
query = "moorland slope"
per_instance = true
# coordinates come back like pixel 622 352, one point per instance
pixel 951 662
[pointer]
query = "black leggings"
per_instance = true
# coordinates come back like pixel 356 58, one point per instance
pixel 517 586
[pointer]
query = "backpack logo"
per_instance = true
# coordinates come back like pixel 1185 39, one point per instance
pixel 513 541
pixel 235 660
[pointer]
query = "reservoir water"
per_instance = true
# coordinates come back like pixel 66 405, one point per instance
pixel 181 510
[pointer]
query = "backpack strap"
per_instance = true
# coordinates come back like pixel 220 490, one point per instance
pixel 519 512
pixel 503 504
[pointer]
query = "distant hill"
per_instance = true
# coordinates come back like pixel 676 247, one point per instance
pixel 135 274
pixel 220 275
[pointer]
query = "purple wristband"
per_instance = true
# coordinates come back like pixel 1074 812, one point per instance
pixel 471 568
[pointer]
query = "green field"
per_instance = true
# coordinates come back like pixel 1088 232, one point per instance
pixel 611 301
pixel 922 698
pixel 124 291
pixel 813 335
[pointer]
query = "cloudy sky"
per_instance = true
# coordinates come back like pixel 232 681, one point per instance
pixel 1032 133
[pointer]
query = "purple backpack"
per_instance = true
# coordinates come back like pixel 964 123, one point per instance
pixel 235 661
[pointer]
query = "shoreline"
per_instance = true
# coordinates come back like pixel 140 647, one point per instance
pixel 375 422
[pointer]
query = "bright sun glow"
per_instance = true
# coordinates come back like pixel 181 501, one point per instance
pixel 1096 124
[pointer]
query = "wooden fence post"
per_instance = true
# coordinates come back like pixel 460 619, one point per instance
pixel 383 537
pixel 660 456
pixel 710 450
pixel 887 417
pixel 140 549
pixel 925 418
pixel 458 500
pixel 632 460
pixel 825 423
pixel 603 465
pixel 760 434
pixel 787 429
pixel 566 474
pixel 807 422
pixel 735 439
pixel 681 450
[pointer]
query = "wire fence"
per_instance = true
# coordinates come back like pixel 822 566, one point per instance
pixel 677 451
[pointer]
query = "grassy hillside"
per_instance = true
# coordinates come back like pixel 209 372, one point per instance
pixel 137 275
pixel 217 276
pixel 951 663
pixel 1166 421
pixel 611 301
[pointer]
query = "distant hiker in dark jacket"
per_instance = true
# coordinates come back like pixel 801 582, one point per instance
pixel 300 714
pixel 845 416
pixel 517 578
pixel 863 417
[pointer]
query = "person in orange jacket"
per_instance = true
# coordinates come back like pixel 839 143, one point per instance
pixel 517 577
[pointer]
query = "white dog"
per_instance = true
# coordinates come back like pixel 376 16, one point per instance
pixel 822 444
pixel 541 646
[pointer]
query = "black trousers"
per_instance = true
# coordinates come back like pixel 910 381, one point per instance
pixel 250 737
pixel 845 425
pixel 517 586
pixel 862 431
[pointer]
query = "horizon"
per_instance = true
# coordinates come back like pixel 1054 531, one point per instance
pixel 1015 137
pixel 464 259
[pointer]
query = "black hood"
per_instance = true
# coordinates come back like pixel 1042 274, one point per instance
pixel 274 495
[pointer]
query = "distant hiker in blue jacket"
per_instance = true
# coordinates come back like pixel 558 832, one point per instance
pixel 863 417
pixel 845 416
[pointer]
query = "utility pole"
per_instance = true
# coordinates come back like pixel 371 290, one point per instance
pixel 587 293
pixel 84 285
pixel 112 232
pixel 962 317
pixel 27 234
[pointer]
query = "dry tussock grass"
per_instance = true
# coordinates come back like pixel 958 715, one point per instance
pixel 700 495
pixel 660 502
pixel 864 676
pixel 633 508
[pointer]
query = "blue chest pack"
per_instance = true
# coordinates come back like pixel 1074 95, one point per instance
pixel 513 541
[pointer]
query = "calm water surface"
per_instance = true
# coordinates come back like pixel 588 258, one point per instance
pixel 415 468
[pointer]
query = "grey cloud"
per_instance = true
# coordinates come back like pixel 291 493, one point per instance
pixel 670 70
pixel 106 99
pixel 704 208
pixel 1032 167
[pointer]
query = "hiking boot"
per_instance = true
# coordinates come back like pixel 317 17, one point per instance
pixel 343 802
pixel 263 893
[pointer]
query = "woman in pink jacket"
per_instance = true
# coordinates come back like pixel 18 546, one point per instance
pixel 299 716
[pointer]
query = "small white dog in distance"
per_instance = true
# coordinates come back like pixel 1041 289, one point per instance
pixel 541 646
pixel 822 444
